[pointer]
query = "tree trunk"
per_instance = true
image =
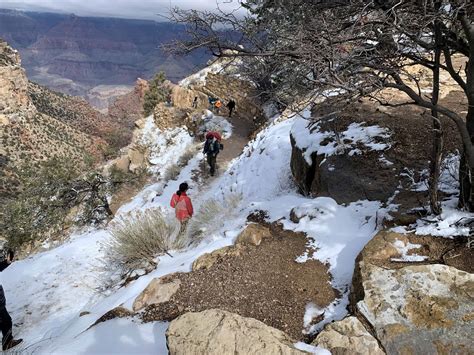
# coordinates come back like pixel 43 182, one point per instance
pixel 466 170
pixel 437 153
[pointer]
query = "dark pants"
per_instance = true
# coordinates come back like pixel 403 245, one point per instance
pixel 5 326
pixel 230 111
pixel 211 160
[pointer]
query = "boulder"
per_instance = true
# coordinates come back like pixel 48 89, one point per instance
pixel 137 159
pixel 413 308
pixel 217 332
pixel 159 290
pixel 140 123
pixel 122 163
pixel 206 261
pixel 356 152
pixel 419 309
pixel 348 336
pixel 253 234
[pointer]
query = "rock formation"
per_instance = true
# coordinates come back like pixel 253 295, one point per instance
pixel 361 153
pixel 216 332
pixel 93 57
pixel 348 336
pixel 33 133
pixel 414 308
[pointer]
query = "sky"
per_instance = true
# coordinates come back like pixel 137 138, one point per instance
pixel 136 9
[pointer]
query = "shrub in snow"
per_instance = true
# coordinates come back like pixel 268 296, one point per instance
pixel 212 216
pixel 172 172
pixel 186 157
pixel 138 239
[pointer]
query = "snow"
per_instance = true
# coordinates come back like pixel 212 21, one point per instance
pixel 221 65
pixel 316 350
pixel 216 123
pixel 309 138
pixel 162 154
pixel 404 249
pixel 199 78
pixel 129 337
pixel 450 223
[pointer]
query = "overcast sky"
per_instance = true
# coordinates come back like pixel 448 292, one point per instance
pixel 138 9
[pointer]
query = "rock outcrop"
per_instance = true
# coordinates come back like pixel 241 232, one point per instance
pixel 183 98
pixel 13 82
pixel 253 234
pixel 32 134
pixel 159 290
pixel 362 153
pixel 418 309
pixel 217 332
pixel 242 92
pixel 207 260
pixel 348 336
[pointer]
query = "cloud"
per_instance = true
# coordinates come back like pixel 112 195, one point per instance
pixel 141 9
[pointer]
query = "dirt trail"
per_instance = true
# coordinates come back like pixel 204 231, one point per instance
pixel 233 146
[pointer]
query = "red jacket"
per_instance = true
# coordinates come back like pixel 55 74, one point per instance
pixel 182 206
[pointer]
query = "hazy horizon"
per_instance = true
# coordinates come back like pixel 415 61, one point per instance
pixel 155 10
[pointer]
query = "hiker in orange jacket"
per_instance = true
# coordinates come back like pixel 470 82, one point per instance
pixel 218 105
pixel 182 205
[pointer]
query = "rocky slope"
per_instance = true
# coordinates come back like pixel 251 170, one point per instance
pixel 96 58
pixel 38 124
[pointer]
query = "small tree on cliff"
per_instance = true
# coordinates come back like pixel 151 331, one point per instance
pixel 301 47
pixel 47 197
pixel 156 93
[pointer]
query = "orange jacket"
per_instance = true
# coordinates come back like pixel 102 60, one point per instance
pixel 182 206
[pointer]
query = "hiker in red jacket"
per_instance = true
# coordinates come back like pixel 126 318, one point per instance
pixel 182 205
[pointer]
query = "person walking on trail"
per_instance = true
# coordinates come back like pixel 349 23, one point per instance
pixel 183 206
pixel 231 106
pixel 212 102
pixel 8 341
pixel 218 105
pixel 195 102
pixel 211 149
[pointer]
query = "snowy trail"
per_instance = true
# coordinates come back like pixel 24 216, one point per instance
pixel 47 292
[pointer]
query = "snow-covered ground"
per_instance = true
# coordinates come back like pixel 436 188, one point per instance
pixel 46 293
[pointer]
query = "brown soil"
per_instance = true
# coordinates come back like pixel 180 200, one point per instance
pixel 264 283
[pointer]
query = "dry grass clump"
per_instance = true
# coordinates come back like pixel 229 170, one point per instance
pixel 186 157
pixel 172 172
pixel 139 238
pixel 212 216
